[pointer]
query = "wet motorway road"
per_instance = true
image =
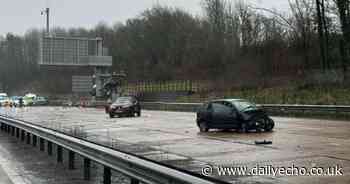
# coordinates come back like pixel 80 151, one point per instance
pixel 173 138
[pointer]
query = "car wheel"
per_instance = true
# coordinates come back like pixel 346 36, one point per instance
pixel 260 126
pixel 258 123
pixel 203 127
pixel 270 124
pixel 139 114
pixel 111 115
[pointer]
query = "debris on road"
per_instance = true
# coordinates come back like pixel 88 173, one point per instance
pixel 263 142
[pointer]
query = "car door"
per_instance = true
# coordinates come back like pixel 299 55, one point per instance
pixel 221 114
pixel 231 115
pixel 204 113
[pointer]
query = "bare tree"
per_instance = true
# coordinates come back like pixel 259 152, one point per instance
pixel 322 29
pixel 302 11
pixel 344 44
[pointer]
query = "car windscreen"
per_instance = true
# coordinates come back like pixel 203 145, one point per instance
pixel 123 100
pixel 243 105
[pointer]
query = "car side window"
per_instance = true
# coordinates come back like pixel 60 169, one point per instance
pixel 220 108
pixel 231 106
pixel 207 106
pixel 226 104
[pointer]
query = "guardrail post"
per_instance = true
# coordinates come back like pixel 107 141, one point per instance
pixel 42 144
pixel 71 156
pixel 59 154
pixel 49 148
pixel 8 129
pixel 28 138
pixel 34 140
pixel 134 181
pixel 87 163
pixel 13 131
pixel 17 132
pixel 22 135
pixel 107 174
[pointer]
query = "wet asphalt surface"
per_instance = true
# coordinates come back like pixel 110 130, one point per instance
pixel 173 138
pixel 24 164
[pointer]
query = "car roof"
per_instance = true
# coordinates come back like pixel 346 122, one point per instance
pixel 228 100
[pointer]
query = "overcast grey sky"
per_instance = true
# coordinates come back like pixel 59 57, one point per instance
pixel 17 16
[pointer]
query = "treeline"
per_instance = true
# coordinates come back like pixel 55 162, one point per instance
pixel 234 42
pixel 18 59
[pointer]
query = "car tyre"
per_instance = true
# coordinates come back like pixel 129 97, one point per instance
pixel 258 123
pixel 138 113
pixel 269 125
pixel 111 115
pixel 203 127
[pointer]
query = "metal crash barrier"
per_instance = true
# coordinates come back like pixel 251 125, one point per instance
pixel 315 108
pixel 139 169
pixel 192 107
